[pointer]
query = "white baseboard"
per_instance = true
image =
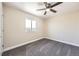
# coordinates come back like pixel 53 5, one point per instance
pixel 9 48
pixel 66 42
pixel 70 43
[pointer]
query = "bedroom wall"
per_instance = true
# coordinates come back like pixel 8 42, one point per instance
pixel 14 27
pixel 64 28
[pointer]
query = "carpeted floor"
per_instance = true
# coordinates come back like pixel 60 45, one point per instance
pixel 44 47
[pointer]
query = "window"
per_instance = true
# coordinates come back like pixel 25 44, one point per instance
pixel 30 25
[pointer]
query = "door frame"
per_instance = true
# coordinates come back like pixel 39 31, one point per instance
pixel 1 16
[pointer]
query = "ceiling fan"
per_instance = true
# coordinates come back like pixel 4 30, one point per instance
pixel 49 6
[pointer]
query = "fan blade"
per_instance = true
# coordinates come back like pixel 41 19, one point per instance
pixel 46 4
pixel 41 9
pixel 53 10
pixel 56 4
pixel 45 12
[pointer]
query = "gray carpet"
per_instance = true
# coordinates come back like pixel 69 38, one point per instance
pixel 44 47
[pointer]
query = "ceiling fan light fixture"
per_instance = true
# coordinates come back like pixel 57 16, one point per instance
pixel 47 9
pixel 49 6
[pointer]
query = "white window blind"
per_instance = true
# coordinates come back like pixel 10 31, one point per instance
pixel 30 25
pixel 33 25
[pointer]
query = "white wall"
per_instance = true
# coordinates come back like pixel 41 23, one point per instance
pixel 64 28
pixel 14 27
